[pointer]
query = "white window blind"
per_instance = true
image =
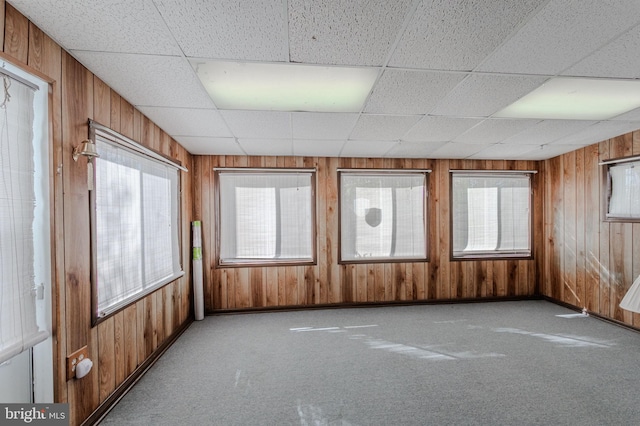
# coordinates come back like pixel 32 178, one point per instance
pixel 491 214
pixel 382 216
pixel 624 200
pixel 136 225
pixel 266 216
pixel 20 206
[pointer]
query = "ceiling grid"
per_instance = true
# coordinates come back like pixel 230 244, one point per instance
pixel 445 69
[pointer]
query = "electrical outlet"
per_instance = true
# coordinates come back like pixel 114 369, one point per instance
pixel 73 360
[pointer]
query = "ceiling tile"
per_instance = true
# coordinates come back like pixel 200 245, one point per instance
pixel 344 32
pixel 148 80
pixel 633 115
pixel 458 34
pixel 188 121
pixel 410 92
pixel 322 125
pixel 448 67
pixel 258 124
pixel 598 132
pixel 199 145
pixel 457 150
pixel 503 152
pixel 619 59
pixel 547 131
pixel 228 29
pixel 381 127
pixel 267 146
pixel 317 148
pixel 561 34
pixel 414 149
pixel 437 128
pixel 546 151
pixel 494 130
pixel 366 148
pixel 139 28
pixel 481 95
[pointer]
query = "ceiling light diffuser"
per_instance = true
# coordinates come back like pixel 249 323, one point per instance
pixel 576 99
pixel 285 87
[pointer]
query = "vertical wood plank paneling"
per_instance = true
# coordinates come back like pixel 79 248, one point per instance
pixel 126 117
pixel 257 285
pixel 549 241
pixel 606 257
pixel 312 273
pixel 160 297
pixel 432 272
pixel 77 106
pixel 106 358
pixel 556 239
pixel 603 261
pixel 120 343
pixel 184 296
pixel 443 232
pixel 331 283
pixel 580 210
pixel 37 49
pixel 106 330
pixel 203 199
pixel 321 235
pixel 165 142
pixel 535 268
pixel 119 347
pixel 421 269
pixel 102 111
pixel 518 271
pixel 333 275
pixel 621 247
pixel 137 126
pixel 45 56
pixel 456 273
pixel 16 34
pixel 168 314
pixel 142 330
pixel 150 337
pixel 2 25
pixel 636 233
pixel 569 214
pixel 592 208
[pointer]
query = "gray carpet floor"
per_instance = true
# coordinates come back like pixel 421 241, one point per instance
pixel 502 363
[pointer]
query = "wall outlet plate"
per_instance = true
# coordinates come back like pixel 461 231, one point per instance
pixel 73 360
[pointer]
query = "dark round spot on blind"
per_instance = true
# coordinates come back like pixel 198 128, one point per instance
pixel 373 217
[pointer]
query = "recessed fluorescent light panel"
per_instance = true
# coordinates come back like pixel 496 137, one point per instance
pixel 576 99
pixel 285 87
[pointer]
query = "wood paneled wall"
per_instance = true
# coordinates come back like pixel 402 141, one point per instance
pixel 331 283
pixel 126 340
pixel 588 262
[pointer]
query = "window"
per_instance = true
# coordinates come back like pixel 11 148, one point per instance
pixel 383 215
pixel 265 216
pixel 491 214
pixel 623 189
pixel 134 221
pixel 25 270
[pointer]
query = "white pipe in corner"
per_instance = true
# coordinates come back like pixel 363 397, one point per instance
pixel 198 292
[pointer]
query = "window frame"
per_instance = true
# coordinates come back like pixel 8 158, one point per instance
pixel 33 295
pixel 220 264
pixel 426 208
pixel 493 255
pixel 608 187
pixel 123 142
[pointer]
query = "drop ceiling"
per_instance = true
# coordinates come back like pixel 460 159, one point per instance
pixel 445 68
